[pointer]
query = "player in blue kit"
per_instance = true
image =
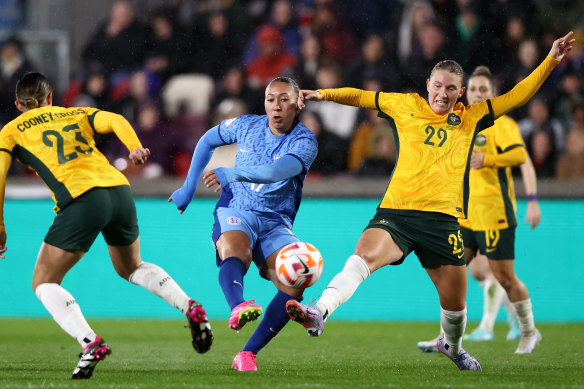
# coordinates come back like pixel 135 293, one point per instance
pixel 259 200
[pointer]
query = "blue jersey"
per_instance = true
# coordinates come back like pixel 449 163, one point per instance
pixel 258 146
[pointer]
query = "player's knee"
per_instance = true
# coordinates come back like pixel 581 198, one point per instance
pixel 507 281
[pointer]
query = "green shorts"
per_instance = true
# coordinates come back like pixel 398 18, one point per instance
pixel 110 211
pixel 495 244
pixel 434 237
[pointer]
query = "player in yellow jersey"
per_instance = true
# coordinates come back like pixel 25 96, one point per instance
pixel 91 196
pixel 491 221
pixel 427 192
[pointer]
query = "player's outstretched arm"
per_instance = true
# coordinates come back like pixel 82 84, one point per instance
pixel 533 215
pixel 202 155
pixel 513 157
pixel 283 168
pixel 105 122
pixel 523 91
pixel 350 96
pixel 5 162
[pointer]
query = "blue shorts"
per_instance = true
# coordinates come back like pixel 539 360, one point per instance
pixel 266 231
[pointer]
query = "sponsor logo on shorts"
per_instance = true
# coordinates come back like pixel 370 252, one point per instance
pixel 234 221
pixel 491 249
pixel 384 222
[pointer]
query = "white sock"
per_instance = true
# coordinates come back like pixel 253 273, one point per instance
pixel 453 324
pixel 157 281
pixel 493 293
pixel 525 316
pixel 510 308
pixel 66 312
pixel 342 287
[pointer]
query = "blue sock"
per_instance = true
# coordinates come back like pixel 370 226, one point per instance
pixel 275 318
pixel 231 272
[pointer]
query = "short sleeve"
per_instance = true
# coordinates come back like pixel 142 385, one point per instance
pixel 305 149
pixel 7 141
pixel 508 136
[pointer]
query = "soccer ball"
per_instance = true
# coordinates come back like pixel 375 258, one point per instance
pixel 299 265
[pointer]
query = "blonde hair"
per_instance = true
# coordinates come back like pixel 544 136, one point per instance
pixel 32 90
pixel 451 67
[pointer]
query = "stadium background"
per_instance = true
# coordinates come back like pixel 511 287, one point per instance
pixel 333 213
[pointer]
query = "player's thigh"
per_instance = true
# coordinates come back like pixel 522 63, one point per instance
pixel 378 248
pixel 234 234
pixel 386 240
pixel 273 236
pixel 53 263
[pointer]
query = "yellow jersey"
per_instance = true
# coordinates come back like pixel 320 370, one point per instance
pixel 431 171
pixel 433 161
pixel 492 203
pixel 58 144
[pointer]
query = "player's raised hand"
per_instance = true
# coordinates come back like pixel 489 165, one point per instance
pixel 3 247
pixel 562 46
pixel 210 179
pixel 139 155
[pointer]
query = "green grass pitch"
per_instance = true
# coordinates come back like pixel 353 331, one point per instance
pixel 36 353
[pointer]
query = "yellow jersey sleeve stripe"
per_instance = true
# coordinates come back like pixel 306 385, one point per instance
pixel 6 150
pixel 511 147
pixel 377 102
pixel 91 120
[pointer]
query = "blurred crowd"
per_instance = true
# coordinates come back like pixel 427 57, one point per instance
pixel 176 68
